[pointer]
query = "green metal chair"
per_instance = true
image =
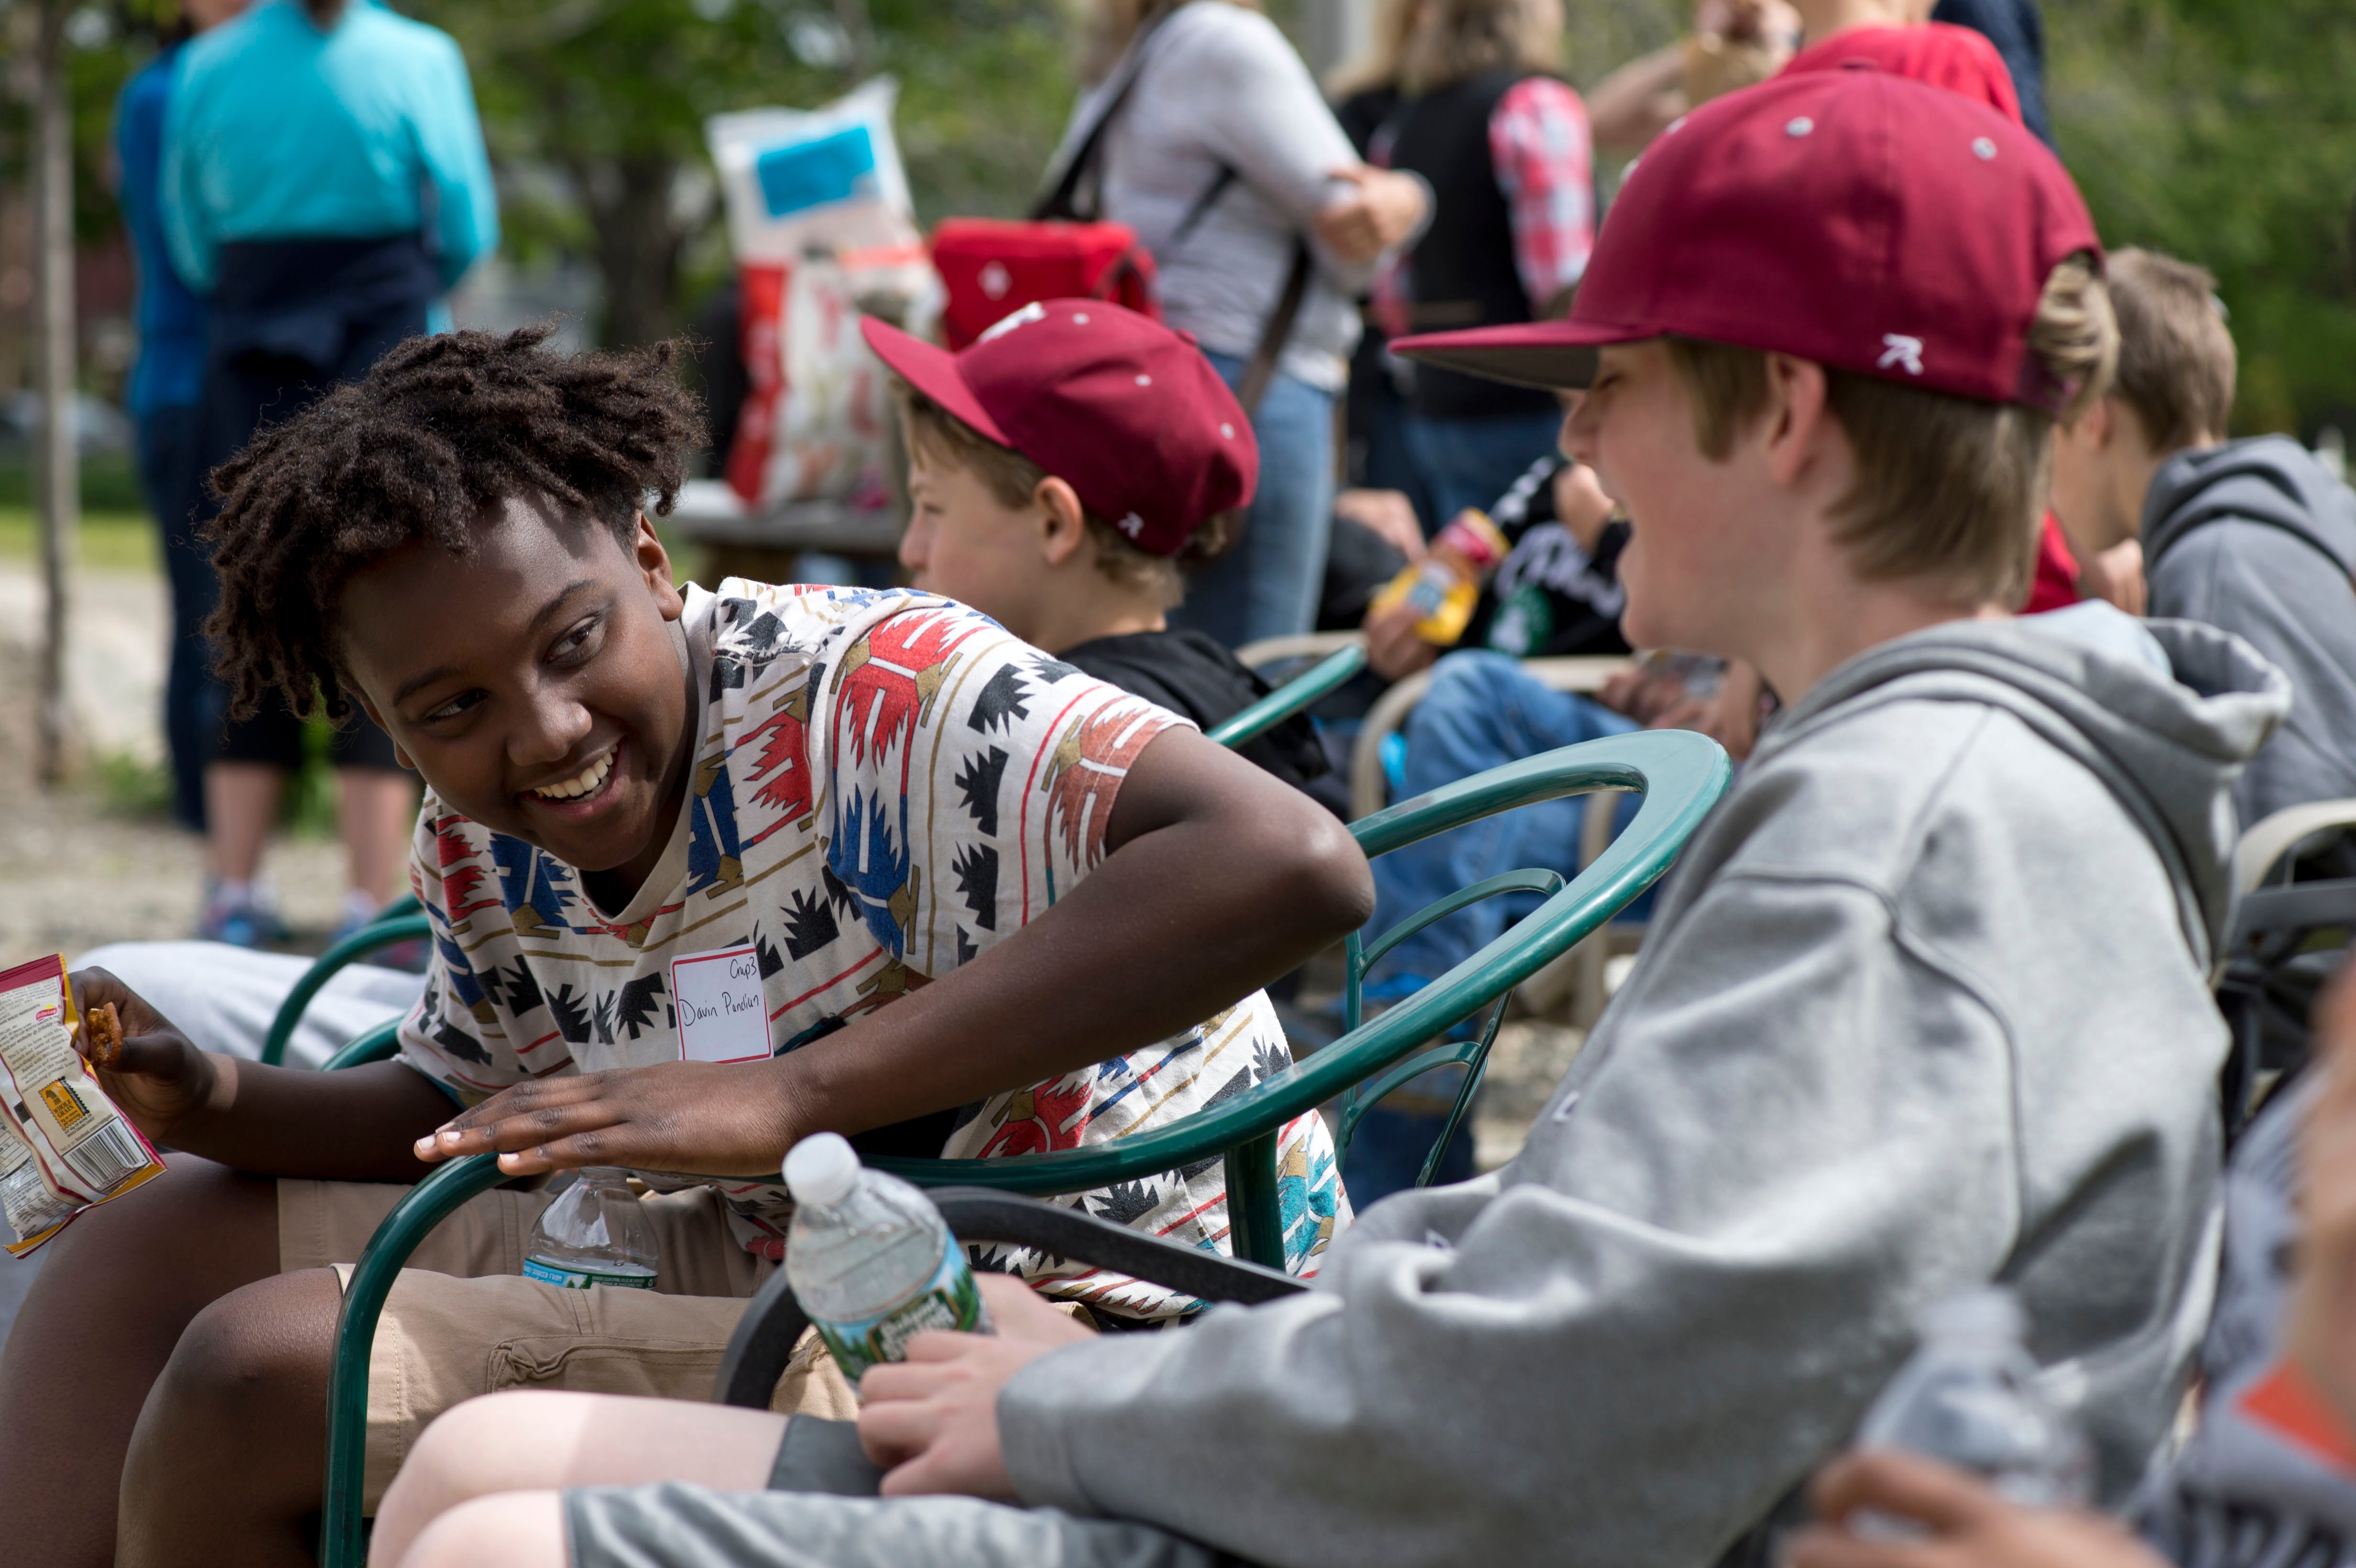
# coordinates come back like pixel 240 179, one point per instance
pixel 1681 775
pixel 1326 675
pixel 403 920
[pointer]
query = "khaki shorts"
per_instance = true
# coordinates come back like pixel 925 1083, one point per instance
pixel 462 1320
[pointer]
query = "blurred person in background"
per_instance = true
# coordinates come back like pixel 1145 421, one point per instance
pixel 324 179
pixel 1898 37
pixel 1488 122
pixel 1365 94
pixel 1734 43
pixel 164 401
pixel 1224 158
pixel 2017 28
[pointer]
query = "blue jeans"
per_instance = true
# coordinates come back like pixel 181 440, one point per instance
pixel 1471 463
pixel 1481 711
pixel 1268 585
pixel 172 475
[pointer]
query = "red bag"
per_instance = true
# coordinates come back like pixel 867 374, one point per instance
pixel 992 267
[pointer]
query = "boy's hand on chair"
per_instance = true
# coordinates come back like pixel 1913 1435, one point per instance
pixel 932 1420
pixel 1963 1523
pixel 700 1117
pixel 160 1077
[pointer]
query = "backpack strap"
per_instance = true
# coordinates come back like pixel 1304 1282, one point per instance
pixel 1061 200
pixel 1261 370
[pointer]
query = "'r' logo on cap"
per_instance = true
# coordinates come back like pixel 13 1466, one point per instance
pixel 1132 525
pixel 1897 348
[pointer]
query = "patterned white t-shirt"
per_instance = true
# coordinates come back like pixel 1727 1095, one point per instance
pixel 885 784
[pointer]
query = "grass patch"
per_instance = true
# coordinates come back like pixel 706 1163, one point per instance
pixel 127 787
pixel 106 541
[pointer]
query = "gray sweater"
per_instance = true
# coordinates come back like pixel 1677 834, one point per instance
pixel 1924 1006
pixel 2255 537
pixel 1221 87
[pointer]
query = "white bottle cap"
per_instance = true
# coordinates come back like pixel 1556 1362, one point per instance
pixel 822 1169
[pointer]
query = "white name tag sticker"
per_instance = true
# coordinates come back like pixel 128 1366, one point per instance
pixel 722 1015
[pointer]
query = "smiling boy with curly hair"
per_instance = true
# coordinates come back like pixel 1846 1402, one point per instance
pixel 707 872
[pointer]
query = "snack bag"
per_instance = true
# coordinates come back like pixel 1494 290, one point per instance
pixel 63 1144
pixel 1444 586
pixel 820 222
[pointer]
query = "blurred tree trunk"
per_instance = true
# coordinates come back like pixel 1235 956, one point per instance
pixel 638 242
pixel 56 463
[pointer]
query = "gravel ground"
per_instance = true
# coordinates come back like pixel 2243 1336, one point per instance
pixel 72 874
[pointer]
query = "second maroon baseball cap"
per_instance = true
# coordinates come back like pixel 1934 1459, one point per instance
pixel 1850 217
pixel 1125 411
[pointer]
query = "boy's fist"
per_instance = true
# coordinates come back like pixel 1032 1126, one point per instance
pixel 156 1075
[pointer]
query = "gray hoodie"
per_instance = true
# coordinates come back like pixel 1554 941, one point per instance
pixel 1924 1006
pixel 2255 537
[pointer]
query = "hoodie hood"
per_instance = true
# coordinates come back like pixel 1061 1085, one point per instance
pixel 2169 749
pixel 2268 479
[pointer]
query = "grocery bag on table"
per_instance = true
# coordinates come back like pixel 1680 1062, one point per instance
pixel 823 232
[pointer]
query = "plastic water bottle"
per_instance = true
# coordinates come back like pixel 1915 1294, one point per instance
pixel 1973 1398
pixel 870 1259
pixel 593 1234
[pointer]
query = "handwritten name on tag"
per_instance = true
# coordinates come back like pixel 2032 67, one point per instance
pixel 723 1016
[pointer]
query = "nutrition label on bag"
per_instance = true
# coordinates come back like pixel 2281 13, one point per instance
pixel 63 1144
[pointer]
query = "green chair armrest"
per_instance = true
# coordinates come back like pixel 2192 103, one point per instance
pixel 434 1200
pixel 1682 774
pixel 1320 679
pixel 381 1043
pixel 382 934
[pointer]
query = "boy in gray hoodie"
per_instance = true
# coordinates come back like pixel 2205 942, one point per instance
pixel 1924 1007
pixel 2253 536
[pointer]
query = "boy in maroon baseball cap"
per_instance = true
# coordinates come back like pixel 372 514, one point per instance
pixel 1059 470
pixel 1924 1007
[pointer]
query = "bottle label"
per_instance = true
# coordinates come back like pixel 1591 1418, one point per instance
pixel 949 1300
pixel 567 1276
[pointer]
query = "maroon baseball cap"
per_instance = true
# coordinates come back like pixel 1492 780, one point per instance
pixel 1849 216
pixel 1125 411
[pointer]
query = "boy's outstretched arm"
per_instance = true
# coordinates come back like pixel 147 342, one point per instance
pixel 353 1126
pixel 1218 879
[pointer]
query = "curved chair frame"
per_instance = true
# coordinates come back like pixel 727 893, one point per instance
pixel 403 919
pixel 1681 775
pixel 1328 675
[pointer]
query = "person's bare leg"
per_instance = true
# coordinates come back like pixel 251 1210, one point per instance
pixel 517 1529
pixel 226 1463
pixel 376 813
pixel 117 1289
pixel 241 805
pixel 532 1440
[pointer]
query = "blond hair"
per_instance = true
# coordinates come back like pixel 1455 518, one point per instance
pixel 1950 491
pixel 939 436
pixel 2176 357
pixel 1466 38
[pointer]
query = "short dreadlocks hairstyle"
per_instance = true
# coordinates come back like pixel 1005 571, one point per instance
pixel 443 430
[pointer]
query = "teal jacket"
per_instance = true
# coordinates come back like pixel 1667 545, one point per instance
pixel 278 131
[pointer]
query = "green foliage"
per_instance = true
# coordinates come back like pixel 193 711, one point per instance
pixel 2224 132
pixel 594 108
pixel 129 787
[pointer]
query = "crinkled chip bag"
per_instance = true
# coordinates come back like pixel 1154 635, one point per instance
pixel 63 1144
